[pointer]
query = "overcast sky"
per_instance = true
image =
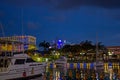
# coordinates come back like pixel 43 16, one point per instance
pixel 71 20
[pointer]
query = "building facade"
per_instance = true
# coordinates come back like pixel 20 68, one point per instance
pixel 17 43
pixel 114 49
pixel 114 52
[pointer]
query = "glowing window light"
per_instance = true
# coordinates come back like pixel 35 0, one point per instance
pixel 110 53
pixel 46 59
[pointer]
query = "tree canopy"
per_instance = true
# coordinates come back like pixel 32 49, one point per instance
pixel 84 46
pixel 45 45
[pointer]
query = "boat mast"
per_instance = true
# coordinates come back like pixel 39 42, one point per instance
pixel 22 28
pixel 22 21
pixel 96 46
pixel 3 33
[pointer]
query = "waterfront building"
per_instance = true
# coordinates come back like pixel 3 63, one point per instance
pixel 17 43
pixel 114 52
pixel 114 49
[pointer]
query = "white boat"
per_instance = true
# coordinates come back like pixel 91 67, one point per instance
pixel 20 66
pixel 99 65
pixel 62 61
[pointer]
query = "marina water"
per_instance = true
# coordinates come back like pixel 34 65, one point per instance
pixel 81 71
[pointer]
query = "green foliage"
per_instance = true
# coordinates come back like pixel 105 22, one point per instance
pixel 84 47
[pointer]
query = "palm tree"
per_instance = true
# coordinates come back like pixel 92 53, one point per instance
pixel 101 49
pixel 75 49
pixel 66 48
pixel 45 45
pixel 87 46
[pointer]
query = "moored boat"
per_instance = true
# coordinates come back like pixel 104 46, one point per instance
pixel 18 66
pixel 62 61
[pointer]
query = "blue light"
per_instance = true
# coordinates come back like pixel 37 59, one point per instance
pixel 78 65
pixel 84 65
pixel 109 64
pixel 71 65
pixel 25 46
pixel 51 65
pixel 91 65
pixel 59 44
pixel 59 40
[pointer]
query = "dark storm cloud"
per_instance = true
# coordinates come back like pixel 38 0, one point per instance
pixel 68 4
pixel 26 2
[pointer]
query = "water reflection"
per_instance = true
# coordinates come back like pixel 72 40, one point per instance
pixel 55 73
pixel 82 73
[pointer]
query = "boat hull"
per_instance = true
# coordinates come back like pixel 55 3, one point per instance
pixel 61 62
pixel 26 78
pixel 21 74
pixel 99 66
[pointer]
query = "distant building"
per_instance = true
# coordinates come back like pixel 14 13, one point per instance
pixel 58 43
pixel 114 49
pixel 114 52
pixel 17 43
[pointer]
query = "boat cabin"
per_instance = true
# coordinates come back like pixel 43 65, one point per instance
pixel 6 59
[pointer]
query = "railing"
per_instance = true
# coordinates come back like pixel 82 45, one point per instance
pixel 4 63
pixel 3 69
